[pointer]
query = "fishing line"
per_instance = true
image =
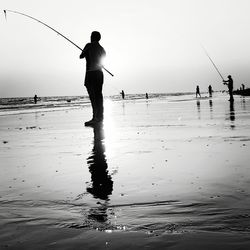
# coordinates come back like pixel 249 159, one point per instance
pixel 212 62
pixel 16 12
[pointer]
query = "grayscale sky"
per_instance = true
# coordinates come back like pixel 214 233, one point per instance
pixel 151 45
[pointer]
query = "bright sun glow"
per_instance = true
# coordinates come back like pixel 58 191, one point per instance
pixel 102 61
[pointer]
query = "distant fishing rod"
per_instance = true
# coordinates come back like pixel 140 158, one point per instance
pixel 212 62
pixel 16 12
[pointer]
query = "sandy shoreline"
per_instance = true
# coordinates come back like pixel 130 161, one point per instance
pixel 161 173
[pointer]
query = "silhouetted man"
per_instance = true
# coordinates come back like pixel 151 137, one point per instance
pixel 210 91
pixel 229 84
pixel 35 99
pixel 123 94
pixel 198 91
pixel 93 52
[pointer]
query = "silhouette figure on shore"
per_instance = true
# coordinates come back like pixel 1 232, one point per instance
pixel 243 86
pixel 35 99
pixel 146 95
pixel 198 91
pixel 102 184
pixel 210 90
pixel 123 94
pixel 229 84
pixel 93 52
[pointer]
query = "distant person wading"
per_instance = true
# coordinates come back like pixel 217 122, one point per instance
pixel 93 52
pixel 210 91
pixel 123 94
pixel 35 99
pixel 198 91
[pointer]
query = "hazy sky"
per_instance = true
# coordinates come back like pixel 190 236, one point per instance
pixel 151 45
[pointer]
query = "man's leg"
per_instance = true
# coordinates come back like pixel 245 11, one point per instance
pixel 92 100
pixel 95 95
pixel 231 95
pixel 99 102
pixel 98 96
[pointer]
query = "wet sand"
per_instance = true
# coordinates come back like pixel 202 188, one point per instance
pixel 160 174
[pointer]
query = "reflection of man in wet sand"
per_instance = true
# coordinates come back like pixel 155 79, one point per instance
pixel 102 184
pixel 229 84
pixel 232 113
pixel 198 108
pixel 94 52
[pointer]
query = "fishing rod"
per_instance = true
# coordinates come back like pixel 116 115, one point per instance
pixel 16 12
pixel 212 62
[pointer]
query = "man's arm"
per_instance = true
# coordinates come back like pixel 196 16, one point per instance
pixel 83 54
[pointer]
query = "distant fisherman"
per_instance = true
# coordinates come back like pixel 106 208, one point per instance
pixel 123 94
pixel 93 52
pixel 198 91
pixel 35 99
pixel 230 86
pixel 210 90
pixel 243 86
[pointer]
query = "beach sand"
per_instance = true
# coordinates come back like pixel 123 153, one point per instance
pixel 168 173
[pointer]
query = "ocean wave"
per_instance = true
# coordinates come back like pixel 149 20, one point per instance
pixel 26 104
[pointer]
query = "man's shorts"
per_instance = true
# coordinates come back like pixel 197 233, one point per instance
pixel 93 78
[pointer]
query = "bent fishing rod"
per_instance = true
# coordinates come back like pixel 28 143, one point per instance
pixel 16 12
pixel 212 62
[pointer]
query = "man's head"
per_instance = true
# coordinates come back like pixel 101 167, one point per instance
pixel 229 76
pixel 95 36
